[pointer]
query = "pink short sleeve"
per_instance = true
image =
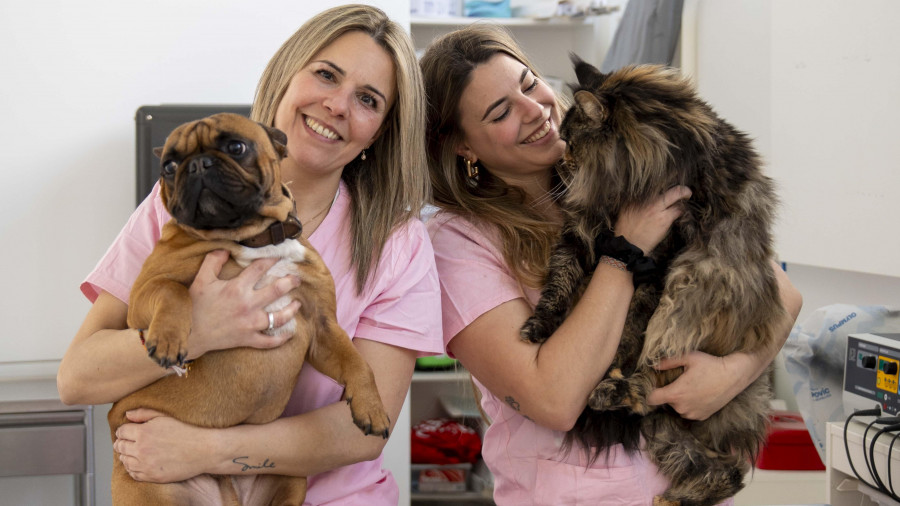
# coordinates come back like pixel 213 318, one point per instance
pixel 473 274
pixel 406 311
pixel 120 266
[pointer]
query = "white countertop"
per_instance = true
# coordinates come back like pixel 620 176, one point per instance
pixel 28 381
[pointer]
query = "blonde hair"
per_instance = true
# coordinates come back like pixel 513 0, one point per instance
pixel 526 236
pixel 391 185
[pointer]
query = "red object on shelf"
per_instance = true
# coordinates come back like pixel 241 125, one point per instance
pixel 788 445
pixel 444 441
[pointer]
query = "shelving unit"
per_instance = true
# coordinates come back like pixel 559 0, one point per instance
pixel 456 21
pixel 547 41
pixel 441 394
pixel 430 391
pixel 461 499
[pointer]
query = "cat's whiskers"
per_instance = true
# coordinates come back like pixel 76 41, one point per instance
pixel 552 195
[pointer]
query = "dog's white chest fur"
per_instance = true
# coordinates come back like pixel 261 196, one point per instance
pixel 290 252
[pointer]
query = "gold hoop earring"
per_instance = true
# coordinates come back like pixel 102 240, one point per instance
pixel 362 156
pixel 471 168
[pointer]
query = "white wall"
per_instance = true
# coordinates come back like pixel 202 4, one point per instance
pixel 815 83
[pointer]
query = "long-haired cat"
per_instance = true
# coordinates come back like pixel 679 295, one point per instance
pixel 631 135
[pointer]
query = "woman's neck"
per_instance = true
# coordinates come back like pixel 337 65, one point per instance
pixel 313 197
pixel 541 194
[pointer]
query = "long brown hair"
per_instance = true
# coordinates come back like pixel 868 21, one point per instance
pixel 526 236
pixel 391 185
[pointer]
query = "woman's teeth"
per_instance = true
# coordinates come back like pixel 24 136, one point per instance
pixel 539 134
pixel 321 130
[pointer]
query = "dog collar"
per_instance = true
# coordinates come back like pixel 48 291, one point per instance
pixel 277 233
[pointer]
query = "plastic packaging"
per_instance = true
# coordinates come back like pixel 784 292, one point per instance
pixel 814 360
pixel 488 9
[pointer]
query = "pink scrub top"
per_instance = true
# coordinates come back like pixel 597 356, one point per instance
pixel 525 458
pixel 400 306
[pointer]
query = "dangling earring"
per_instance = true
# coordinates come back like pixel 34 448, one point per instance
pixel 471 168
pixel 362 155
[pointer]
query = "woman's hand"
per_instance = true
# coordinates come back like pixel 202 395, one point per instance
pixel 159 449
pixel 647 225
pixel 230 314
pixel 707 384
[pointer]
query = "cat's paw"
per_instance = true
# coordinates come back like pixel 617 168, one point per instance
pixel 535 331
pixel 607 395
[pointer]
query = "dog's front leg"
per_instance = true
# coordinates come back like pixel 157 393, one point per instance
pixel 332 353
pixel 163 308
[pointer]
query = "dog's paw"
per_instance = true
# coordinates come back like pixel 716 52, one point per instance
pixel 164 348
pixel 535 330
pixel 369 415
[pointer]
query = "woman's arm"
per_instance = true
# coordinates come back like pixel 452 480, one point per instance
pixel 106 361
pixel 708 382
pixel 163 449
pixel 550 383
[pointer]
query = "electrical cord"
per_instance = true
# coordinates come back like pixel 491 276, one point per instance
pixel 888 420
pixel 866 457
pixel 870 459
pixel 865 412
pixel 878 480
pixel 890 454
pixel 891 424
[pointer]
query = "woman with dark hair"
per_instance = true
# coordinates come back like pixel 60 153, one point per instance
pixel 493 149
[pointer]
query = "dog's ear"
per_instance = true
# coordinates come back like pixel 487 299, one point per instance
pixel 278 138
pixel 158 151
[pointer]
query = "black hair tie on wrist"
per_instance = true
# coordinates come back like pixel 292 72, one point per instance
pixel 642 267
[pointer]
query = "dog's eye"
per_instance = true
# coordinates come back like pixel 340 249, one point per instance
pixel 168 168
pixel 236 148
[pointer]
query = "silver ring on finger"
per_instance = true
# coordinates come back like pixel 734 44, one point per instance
pixel 271 321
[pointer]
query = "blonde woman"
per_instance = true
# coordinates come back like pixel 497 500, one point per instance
pixel 347 91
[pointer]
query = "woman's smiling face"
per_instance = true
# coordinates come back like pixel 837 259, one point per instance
pixel 509 119
pixel 335 106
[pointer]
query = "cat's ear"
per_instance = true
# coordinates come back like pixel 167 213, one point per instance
pixel 590 106
pixel 588 75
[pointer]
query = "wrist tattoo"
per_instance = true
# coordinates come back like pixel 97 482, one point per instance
pixel 516 406
pixel 248 467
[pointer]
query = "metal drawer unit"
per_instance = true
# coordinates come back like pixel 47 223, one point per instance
pixel 47 437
